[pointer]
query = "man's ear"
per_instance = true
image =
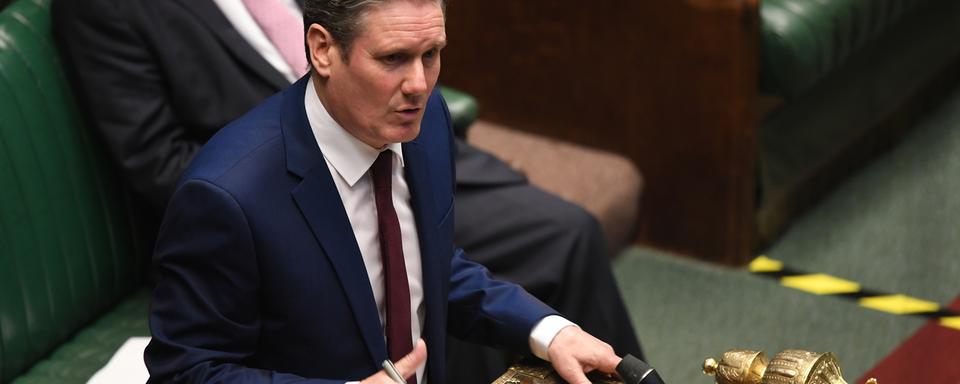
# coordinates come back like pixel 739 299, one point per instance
pixel 322 49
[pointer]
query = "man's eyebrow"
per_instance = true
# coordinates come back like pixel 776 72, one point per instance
pixel 396 48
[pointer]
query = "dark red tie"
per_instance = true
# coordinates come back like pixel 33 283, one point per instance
pixel 399 338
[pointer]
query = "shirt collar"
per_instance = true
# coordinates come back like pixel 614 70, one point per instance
pixel 349 156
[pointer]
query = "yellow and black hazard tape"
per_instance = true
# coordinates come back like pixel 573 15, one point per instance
pixel 823 284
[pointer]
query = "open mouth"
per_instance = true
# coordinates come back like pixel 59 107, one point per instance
pixel 409 112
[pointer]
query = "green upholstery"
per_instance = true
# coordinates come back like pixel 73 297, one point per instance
pixel 77 360
pixel 67 245
pixel 860 101
pixel 804 40
pixel 463 109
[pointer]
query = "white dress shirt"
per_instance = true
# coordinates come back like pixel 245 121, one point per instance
pixel 244 23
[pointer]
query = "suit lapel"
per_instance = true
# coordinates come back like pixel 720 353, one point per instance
pixel 211 16
pixel 320 203
pixel 422 203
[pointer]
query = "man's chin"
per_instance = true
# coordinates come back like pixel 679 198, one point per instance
pixel 405 132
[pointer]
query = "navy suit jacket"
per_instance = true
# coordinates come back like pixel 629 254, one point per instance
pixel 261 278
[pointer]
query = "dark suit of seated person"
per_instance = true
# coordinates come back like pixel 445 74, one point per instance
pixel 159 78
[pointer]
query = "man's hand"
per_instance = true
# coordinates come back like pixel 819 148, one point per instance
pixel 407 366
pixel 574 352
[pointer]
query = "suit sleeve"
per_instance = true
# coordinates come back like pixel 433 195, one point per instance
pixel 488 311
pixel 204 315
pixel 119 84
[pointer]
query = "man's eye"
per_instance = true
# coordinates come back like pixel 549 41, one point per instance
pixel 431 54
pixel 392 58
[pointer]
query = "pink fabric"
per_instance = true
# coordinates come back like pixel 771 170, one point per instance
pixel 927 357
pixel 283 29
pixel 399 337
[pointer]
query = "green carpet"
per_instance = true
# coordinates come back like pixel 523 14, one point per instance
pixel 893 227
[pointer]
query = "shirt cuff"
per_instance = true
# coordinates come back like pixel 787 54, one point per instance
pixel 543 333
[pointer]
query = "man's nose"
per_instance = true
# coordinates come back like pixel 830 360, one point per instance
pixel 416 80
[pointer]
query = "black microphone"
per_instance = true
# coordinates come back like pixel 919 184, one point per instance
pixel 635 371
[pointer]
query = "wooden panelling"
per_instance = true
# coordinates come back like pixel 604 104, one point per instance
pixel 670 84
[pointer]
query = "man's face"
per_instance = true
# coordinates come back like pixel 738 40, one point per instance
pixel 380 92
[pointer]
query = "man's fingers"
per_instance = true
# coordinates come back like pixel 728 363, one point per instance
pixel 574 352
pixel 407 366
pixel 605 358
pixel 572 373
pixel 609 363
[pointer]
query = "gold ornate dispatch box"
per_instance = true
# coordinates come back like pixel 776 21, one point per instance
pixel 534 372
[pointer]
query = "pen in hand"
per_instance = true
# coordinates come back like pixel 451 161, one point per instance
pixel 396 372
pixel 392 372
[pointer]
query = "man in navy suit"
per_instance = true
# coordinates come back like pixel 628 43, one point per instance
pixel 159 78
pixel 276 258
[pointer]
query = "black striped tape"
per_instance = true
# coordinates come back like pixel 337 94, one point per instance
pixel 827 285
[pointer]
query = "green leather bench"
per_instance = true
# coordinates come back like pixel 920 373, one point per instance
pixel 803 41
pixel 848 76
pixel 70 278
pixel 68 259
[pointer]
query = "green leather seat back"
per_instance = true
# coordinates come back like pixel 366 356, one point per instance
pixel 804 40
pixel 463 109
pixel 66 244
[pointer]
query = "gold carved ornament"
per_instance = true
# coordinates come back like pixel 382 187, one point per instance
pixel 791 366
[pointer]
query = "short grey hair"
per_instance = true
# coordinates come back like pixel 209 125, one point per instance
pixel 341 18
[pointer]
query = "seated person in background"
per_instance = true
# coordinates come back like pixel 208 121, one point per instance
pixel 159 78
